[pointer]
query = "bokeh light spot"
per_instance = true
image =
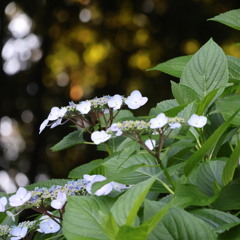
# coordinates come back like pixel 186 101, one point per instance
pixel 76 92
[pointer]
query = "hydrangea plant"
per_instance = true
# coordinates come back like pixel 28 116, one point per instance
pixel 173 174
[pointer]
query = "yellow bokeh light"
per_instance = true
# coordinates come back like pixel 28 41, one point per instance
pixel 140 60
pixel 231 49
pixel 141 37
pixel 95 53
pixel 190 46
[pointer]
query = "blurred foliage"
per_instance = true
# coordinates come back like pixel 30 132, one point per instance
pixel 94 48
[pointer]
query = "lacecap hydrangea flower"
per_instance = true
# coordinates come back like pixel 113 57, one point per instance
pixel 3 203
pixel 100 136
pixel 159 121
pixel 150 143
pixel 21 196
pixel 18 233
pixel 115 102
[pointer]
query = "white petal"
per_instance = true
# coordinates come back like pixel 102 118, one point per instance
pixel 150 143
pixel 43 125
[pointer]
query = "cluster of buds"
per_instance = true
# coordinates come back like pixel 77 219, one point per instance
pixel 87 113
pixel 40 199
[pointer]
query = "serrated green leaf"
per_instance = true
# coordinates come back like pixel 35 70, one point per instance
pixel 208 174
pixel 208 145
pixel 218 220
pixel 173 67
pixel 207 70
pixel 230 18
pixel 178 224
pixel 229 197
pixel 83 217
pixel 70 140
pixel 163 107
pixel 234 68
pixel 189 195
pixel 127 205
pixel 183 94
pixel 231 165
pixel 229 105
pixel 87 168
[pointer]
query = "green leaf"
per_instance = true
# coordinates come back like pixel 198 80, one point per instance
pixel 133 233
pixel 189 195
pixel 178 224
pixel 231 165
pixel 234 68
pixel 120 161
pixel 208 145
pixel 47 184
pixel 232 234
pixel 87 168
pixel 208 174
pixel 230 18
pixel 70 140
pixel 163 107
pixel 229 105
pixel 83 217
pixel 127 205
pixel 173 67
pixel 207 70
pixel 208 100
pixel 229 198
pixel 218 220
pixel 183 94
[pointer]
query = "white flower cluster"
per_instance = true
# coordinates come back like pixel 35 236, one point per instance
pixel 103 105
pixel 141 127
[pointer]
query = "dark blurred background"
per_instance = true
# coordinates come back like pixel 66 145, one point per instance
pixel 56 51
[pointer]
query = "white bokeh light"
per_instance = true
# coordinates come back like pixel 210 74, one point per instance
pixel 6 183
pixel 20 25
pixel 21 179
pixel 85 15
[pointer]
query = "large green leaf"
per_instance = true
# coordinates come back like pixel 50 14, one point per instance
pixel 173 67
pixel 183 94
pixel 189 195
pixel 207 70
pixel 127 205
pixel 208 175
pixel 163 107
pixel 70 140
pixel 229 105
pixel 234 68
pixel 229 198
pixel 208 145
pixel 231 165
pixel 177 224
pixel 230 18
pixel 87 168
pixel 83 217
pixel 120 161
pixel 218 220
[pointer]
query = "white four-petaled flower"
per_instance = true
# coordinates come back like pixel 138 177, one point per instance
pixel 150 143
pixel 100 137
pixel 21 196
pixel 159 121
pixel 3 203
pixel 84 107
pixel 18 232
pixel 197 121
pixel 48 225
pixel 59 201
pixel 135 100
pixel 115 102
